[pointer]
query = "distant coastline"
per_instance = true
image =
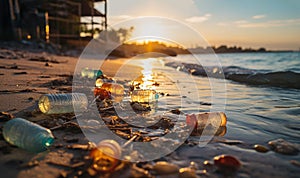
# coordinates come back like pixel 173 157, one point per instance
pixel 234 49
pixel 130 50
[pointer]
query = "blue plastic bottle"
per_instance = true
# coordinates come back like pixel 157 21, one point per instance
pixel 27 135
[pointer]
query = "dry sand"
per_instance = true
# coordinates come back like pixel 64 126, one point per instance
pixel 25 76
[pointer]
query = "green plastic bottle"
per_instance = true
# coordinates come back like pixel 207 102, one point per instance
pixel 27 135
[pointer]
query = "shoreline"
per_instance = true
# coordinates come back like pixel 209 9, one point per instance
pixel 25 76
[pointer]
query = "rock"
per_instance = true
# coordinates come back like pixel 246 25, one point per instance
pixel 295 162
pixel 162 168
pixel 283 147
pixel 187 173
pixel 260 148
pixel 227 163
pixel 5 116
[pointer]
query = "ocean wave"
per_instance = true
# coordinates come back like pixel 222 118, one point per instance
pixel 283 79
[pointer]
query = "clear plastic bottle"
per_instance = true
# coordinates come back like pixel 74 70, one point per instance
pixel 116 90
pixel 27 135
pixel 144 96
pixel 63 103
pixel 106 155
pixel 201 120
pixel 91 73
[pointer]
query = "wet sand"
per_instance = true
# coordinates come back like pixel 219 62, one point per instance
pixel 25 76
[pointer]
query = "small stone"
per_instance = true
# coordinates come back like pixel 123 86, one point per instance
pixel 283 147
pixel 176 111
pixel 295 162
pixel 187 173
pixel 227 163
pixel 162 168
pixel 5 116
pixel 260 148
pixel 139 107
pixel 207 163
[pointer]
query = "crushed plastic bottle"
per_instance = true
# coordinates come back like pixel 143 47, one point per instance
pixel 91 73
pixel 144 96
pixel 199 121
pixel 106 155
pixel 63 103
pixel 27 135
pixel 116 90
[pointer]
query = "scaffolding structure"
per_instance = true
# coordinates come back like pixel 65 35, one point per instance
pixel 58 21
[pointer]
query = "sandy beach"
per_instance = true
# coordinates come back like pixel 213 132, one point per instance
pixel 26 75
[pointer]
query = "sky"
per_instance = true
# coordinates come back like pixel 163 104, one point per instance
pixel 273 24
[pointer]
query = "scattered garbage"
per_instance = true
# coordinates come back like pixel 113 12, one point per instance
pixel 99 82
pixel 116 90
pixel 91 73
pixel 102 93
pixel 62 103
pixel 216 120
pixel 144 95
pixel 106 155
pixel 227 164
pixel 27 135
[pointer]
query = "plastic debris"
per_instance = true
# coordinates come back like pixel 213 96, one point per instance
pixel 144 96
pixel 106 156
pixel 63 103
pixel 27 135
pixel 91 73
pixel 227 163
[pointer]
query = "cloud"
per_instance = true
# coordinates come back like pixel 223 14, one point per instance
pixel 272 23
pixel 198 19
pixel 241 22
pixel 258 16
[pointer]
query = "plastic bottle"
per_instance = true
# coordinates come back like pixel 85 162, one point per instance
pixel 144 96
pixel 63 103
pixel 116 90
pixel 106 155
pixel 91 73
pixel 201 120
pixel 27 135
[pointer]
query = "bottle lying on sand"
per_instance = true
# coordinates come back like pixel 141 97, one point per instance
pixel 27 135
pixel 116 90
pixel 106 155
pixel 63 103
pixel 216 121
pixel 144 96
pixel 91 73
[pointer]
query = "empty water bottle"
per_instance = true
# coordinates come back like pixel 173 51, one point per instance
pixel 116 90
pixel 27 135
pixel 63 103
pixel 144 96
pixel 91 73
pixel 201 120
pixel 106 155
